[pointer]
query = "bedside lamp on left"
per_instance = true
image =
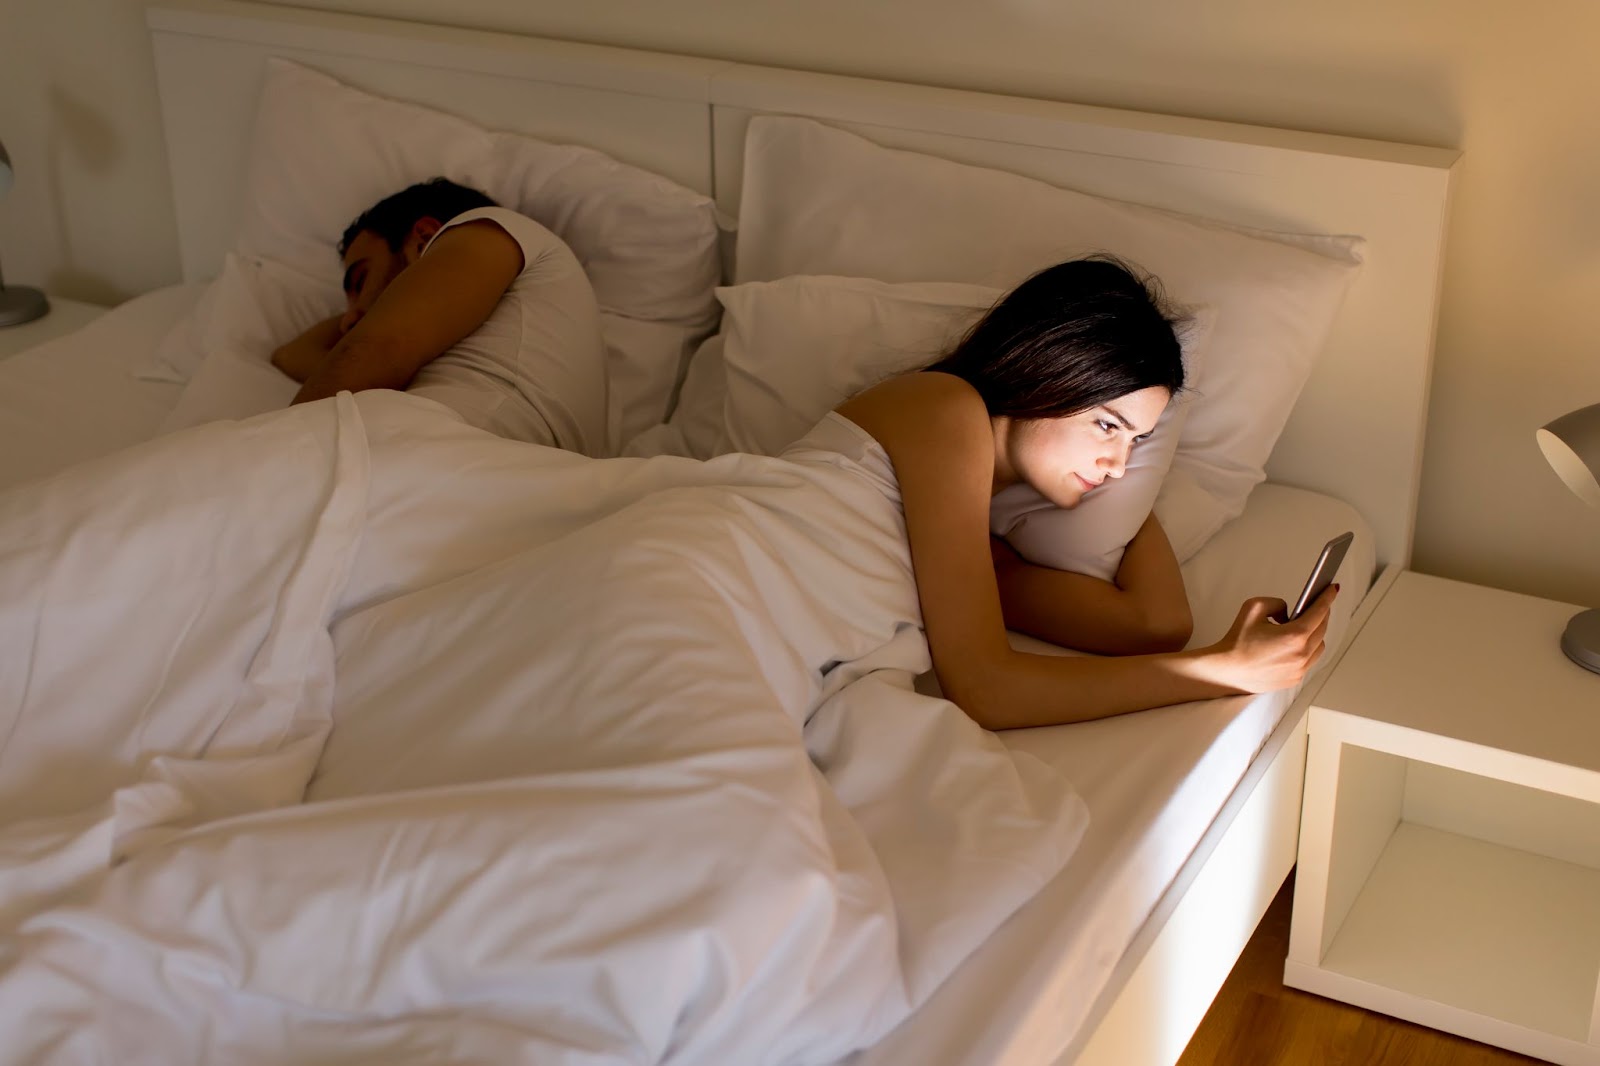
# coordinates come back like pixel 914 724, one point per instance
pixel 18 303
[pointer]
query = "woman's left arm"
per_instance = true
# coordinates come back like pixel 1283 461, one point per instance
pixel 1143 609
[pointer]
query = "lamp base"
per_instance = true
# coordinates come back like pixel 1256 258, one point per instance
pixel 1581 641
pixel 19 304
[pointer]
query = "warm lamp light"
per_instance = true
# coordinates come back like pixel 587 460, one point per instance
pixel 1572 445
pixel 18 303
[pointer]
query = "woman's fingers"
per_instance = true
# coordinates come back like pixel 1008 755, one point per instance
pixel 1264 608
pixel 1324 600
pixel 1268 653
pixel 1316 653
pixel 1318 615
pixel 1320 609
pixel 1313 624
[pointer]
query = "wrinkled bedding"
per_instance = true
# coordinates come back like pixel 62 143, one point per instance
pixel 350 733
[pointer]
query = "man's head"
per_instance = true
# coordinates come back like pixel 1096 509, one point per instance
pixel 391 234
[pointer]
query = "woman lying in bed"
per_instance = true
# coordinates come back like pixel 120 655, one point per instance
pixel 1055 387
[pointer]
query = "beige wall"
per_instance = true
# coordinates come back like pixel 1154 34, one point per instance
pixel 1515 86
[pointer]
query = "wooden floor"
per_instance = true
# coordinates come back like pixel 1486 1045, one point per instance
pixel 1256 1021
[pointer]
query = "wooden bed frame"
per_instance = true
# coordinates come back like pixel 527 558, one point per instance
pixel 1356 433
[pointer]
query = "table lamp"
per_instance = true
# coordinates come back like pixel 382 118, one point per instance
pixel 18 303
pixel 1572 445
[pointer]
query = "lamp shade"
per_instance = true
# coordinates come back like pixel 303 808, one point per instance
pixel 1572 445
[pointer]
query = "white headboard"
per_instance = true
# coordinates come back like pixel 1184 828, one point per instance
pixel 1357 431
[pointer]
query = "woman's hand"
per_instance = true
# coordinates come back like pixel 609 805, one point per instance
pixel 1261 654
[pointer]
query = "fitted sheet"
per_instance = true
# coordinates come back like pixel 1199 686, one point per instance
pixel 75 397
pixel 1153 782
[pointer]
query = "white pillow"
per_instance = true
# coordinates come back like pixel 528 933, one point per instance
pixel 695 428
pixel 256 305
pixel 323 152
pixel 181 349
pixel 794 349
pixel 818 200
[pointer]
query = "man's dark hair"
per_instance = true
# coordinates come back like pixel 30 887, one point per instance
pixel 392 217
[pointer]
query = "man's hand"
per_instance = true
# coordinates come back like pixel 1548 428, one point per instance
pixel 434 303
pixel 301 357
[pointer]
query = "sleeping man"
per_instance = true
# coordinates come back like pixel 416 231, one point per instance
pixel 473 305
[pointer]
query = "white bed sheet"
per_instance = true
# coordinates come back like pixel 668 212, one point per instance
pixel 75 397
pixel 611 839
pixel 1153 782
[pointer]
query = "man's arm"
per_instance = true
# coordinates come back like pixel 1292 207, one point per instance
pixel 1143 609
pixel 435 302
pixel 300 357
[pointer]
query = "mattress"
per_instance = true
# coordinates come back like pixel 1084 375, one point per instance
pixel 1153 782
pixel 75 397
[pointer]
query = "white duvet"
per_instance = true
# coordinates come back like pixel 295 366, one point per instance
pixel 352 734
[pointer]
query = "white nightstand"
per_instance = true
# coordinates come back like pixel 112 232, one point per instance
pixel 65 316
pixel 1449 867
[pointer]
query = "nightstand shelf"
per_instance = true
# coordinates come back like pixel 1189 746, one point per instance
pixel 1450 832
pixel 1451 919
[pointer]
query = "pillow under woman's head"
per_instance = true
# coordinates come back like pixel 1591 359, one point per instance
pixel 819 200
pixel 794 349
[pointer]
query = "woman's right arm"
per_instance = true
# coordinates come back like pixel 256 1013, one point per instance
pixel 937 434
pixel 1143 608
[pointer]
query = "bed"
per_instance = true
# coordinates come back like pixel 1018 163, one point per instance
pixel 77 396
pixel 1193 817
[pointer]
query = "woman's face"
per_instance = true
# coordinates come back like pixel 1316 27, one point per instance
pixel 1066 458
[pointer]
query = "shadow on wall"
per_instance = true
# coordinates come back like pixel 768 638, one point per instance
pixel 78 131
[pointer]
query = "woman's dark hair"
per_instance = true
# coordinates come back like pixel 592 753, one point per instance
pixel 1073 336
pixel 392 217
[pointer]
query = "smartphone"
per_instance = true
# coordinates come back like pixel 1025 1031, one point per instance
pixel 1322 574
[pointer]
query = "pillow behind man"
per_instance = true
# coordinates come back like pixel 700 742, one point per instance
pixel 323 151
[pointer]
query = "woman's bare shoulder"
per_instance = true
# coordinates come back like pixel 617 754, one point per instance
pixel 921 403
